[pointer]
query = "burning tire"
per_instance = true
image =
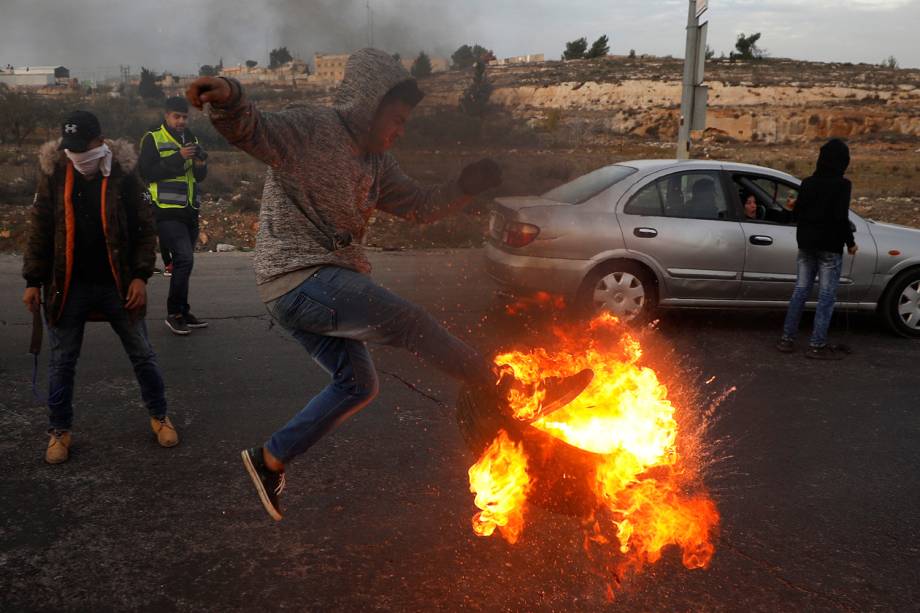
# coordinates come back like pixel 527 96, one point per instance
pixel 563 474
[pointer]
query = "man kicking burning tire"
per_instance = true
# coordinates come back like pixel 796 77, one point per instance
pixel 329 169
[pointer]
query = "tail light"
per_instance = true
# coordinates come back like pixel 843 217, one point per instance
pixel 518 234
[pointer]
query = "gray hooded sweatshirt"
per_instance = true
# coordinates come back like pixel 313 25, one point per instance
pixel 320 176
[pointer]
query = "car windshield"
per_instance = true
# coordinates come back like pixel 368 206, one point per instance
pixel 591 184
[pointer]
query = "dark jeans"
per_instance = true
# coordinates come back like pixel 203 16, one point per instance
pixel 332 314
pixel 178 238
pixel 826 265
pixel 66 339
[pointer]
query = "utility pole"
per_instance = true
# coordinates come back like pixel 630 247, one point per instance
pixel 125 73
pixel 694 95
pixel 370 25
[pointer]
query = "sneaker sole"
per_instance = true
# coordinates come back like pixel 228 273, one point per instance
pixel 204 325
pixel 263 495
pixel 177 332
pixel 563 400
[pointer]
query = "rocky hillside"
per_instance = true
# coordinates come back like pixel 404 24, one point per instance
pixel 770 100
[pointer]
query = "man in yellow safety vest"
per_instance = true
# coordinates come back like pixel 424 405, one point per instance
pixel 172 162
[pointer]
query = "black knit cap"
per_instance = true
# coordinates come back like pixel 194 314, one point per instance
pixel 176 104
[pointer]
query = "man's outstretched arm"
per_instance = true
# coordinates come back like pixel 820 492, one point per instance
pixel 406 198
pixel 272 138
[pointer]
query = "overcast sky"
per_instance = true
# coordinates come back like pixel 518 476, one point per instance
pixel 95 36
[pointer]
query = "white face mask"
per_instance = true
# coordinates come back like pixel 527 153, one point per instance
pixel 90 162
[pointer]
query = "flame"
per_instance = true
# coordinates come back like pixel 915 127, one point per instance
pixel 648 495
pixel 500 481
pixel 539 300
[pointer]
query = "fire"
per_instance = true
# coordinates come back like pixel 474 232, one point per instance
pixel 539 300
pixel 648 495
pixel 500 481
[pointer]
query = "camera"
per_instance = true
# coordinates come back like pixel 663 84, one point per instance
pixel 200 153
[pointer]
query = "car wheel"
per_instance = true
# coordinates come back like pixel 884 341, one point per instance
pixel 901 305
pixel 623 289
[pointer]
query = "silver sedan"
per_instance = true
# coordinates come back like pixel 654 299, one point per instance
pixel 634 236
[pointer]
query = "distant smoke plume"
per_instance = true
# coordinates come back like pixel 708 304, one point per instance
pixel 95 36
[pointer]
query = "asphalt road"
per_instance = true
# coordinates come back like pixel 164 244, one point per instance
pixel 816 479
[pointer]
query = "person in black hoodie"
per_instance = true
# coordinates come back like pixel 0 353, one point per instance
pixel 823 214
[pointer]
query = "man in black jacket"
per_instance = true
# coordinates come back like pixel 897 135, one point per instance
pixel 823 213
pixel 90 251
pixel 173 163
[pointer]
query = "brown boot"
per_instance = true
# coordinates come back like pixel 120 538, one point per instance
pixel 165 431
pixel 58 447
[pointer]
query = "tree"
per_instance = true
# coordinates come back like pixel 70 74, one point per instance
pixel 251 63
pixel 466 56
pixel 710 52
pixel 279 56
pixel 891 62
pixel 421 67
pixel 747 47
pixel 397 57
pixel 148 87
pixel 575 49
pixel 207 71
pixel 22 114
pixel 475 100
pixel 599 48
pixel 632 54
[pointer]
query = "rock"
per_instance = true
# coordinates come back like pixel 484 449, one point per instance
pixel 224 248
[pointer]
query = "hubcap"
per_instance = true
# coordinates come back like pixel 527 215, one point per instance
pixel 909 306
pixel 620 293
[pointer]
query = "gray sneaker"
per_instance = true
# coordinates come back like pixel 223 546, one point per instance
pixel 560 391
pixel 193 322
pixel 177 325
pixel 826 352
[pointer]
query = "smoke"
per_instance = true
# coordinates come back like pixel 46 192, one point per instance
pixel 93 37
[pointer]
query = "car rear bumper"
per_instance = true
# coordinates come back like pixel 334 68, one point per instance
pixel 523 273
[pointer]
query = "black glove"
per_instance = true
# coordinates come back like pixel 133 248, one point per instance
pixel 480 176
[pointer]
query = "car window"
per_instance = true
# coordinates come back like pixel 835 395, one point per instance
pixel 648 201
pixel 775 200
pixel 589 185
pixel 693 195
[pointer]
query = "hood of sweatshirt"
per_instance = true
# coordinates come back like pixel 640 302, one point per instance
pixel 833 159
pixel 369 75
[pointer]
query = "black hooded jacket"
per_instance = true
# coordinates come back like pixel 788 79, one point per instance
pixel 823 205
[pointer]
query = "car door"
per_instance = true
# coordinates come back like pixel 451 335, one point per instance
pixel 680 222
pixel 769 237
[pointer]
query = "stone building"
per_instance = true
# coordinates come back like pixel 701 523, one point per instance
pixel 330 68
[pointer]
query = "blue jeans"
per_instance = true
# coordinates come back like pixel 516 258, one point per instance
pixel 826 266
pixel 178 238
pixel 66 339
pixel 333 314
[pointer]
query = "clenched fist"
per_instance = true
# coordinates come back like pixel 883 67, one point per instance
pixel 480 176
pixel 204 90
pixel 32 298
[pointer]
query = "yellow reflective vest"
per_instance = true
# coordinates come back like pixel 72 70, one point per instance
pixel 179 192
